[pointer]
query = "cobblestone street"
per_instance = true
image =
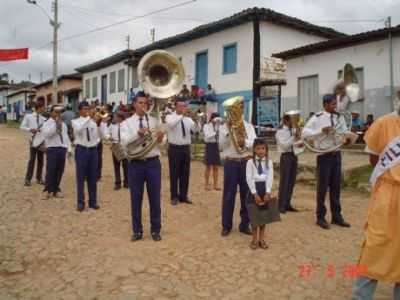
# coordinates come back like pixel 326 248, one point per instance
pixel 48 250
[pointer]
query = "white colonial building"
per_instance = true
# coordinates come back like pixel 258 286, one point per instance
pixel 312 71
pixel 17 101
pixel 228 54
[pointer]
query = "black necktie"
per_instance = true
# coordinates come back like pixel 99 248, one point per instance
pixel 260 169
pixel 183 129
pixel 87 134
pixel 119 133
pixel 291 134
pixel 37 120
pixel 332 123
pixel 60 134
pixel 216 134
pixel 140 122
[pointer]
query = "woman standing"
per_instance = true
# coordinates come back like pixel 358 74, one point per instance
pixel 211 155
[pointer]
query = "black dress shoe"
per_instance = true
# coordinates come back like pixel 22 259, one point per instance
pixel 80 208
pixel 282 211
pixel 187 201
pixel 156 236
pixel 136 237
pixel 94 206
pixel 341 223
pixel 27 183
pixel 246 231
pixel 126 186
pixel 225 232
pixel 291 209
pixel 117 187
pixel 174 201
pixel 323 224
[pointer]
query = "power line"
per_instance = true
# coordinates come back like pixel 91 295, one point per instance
pixel 127 20
pixel 91 12
pixel 347 21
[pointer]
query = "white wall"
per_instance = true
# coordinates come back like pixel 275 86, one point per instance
pixel 115 97
pixel 373 57
pixel 214 43
pixel 275 38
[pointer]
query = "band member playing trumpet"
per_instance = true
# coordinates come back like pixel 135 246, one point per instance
pixel 115 135
pixel 179 129
pixel 143 171
pixel 57 142
pixel 97 116
pixel 212 158
pixel 285 139
pixel 322 127
pixel 234 175
pixel 87 135
pixel 32 123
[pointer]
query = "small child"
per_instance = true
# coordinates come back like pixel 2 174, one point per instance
pixel 261 206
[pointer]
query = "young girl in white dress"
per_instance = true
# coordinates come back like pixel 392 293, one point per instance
pixel 261 204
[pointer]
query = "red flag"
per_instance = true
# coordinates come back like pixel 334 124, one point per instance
pixel 13 54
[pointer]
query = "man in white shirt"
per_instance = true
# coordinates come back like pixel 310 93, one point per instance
pixel 143 171
pixel 234 175
pixel 179 130
pixel 115 135
pixel 32 123
pixel 57 142
pixel 321 128
pixel 87 135
pixel 285 140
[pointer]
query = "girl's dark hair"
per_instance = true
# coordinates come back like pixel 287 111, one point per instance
pixel 213 116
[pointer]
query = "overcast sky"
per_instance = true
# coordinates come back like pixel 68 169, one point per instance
pixel 25 25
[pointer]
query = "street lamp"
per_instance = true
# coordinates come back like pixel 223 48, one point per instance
pixel 54 23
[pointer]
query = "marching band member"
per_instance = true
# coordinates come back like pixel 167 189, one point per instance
pixel 179 129
pixel 380 250
pixel 287 165
pixel 115 135
pixel 320 127
pixel 32 123
pixel 234 175
pixel 57 143
pixel 99 144
pixel 87 135
pixel 145 171
pixel 212 158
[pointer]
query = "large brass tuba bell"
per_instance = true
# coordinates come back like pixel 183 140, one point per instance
pixel 234 117
pixel 161 75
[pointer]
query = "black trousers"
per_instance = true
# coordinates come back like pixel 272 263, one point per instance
pixel 100 160
pixel 329 170
pixel 33 154
pixel 288 174
pixel 117 171
pixel 179 170
pixel 55 165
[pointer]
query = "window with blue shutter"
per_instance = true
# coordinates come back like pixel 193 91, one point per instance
pixel 230 59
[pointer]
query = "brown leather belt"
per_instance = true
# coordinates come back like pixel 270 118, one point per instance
pixel 238 158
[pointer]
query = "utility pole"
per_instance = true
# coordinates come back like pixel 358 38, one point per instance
pixel 41 77
pixel 55 25
pixel 389 26
pixel 128 41
pixel 153 35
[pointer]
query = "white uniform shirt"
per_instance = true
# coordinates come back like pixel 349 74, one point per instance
pixel 284 140
pixel 211 133
pixel 228 149
pixel 342 103
pixel 114 132
pixel 174 129
pixel 252 175
pixel 52 138
pixel 129 131
pixel 87 133
pixel 32 121
pixel 313 129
